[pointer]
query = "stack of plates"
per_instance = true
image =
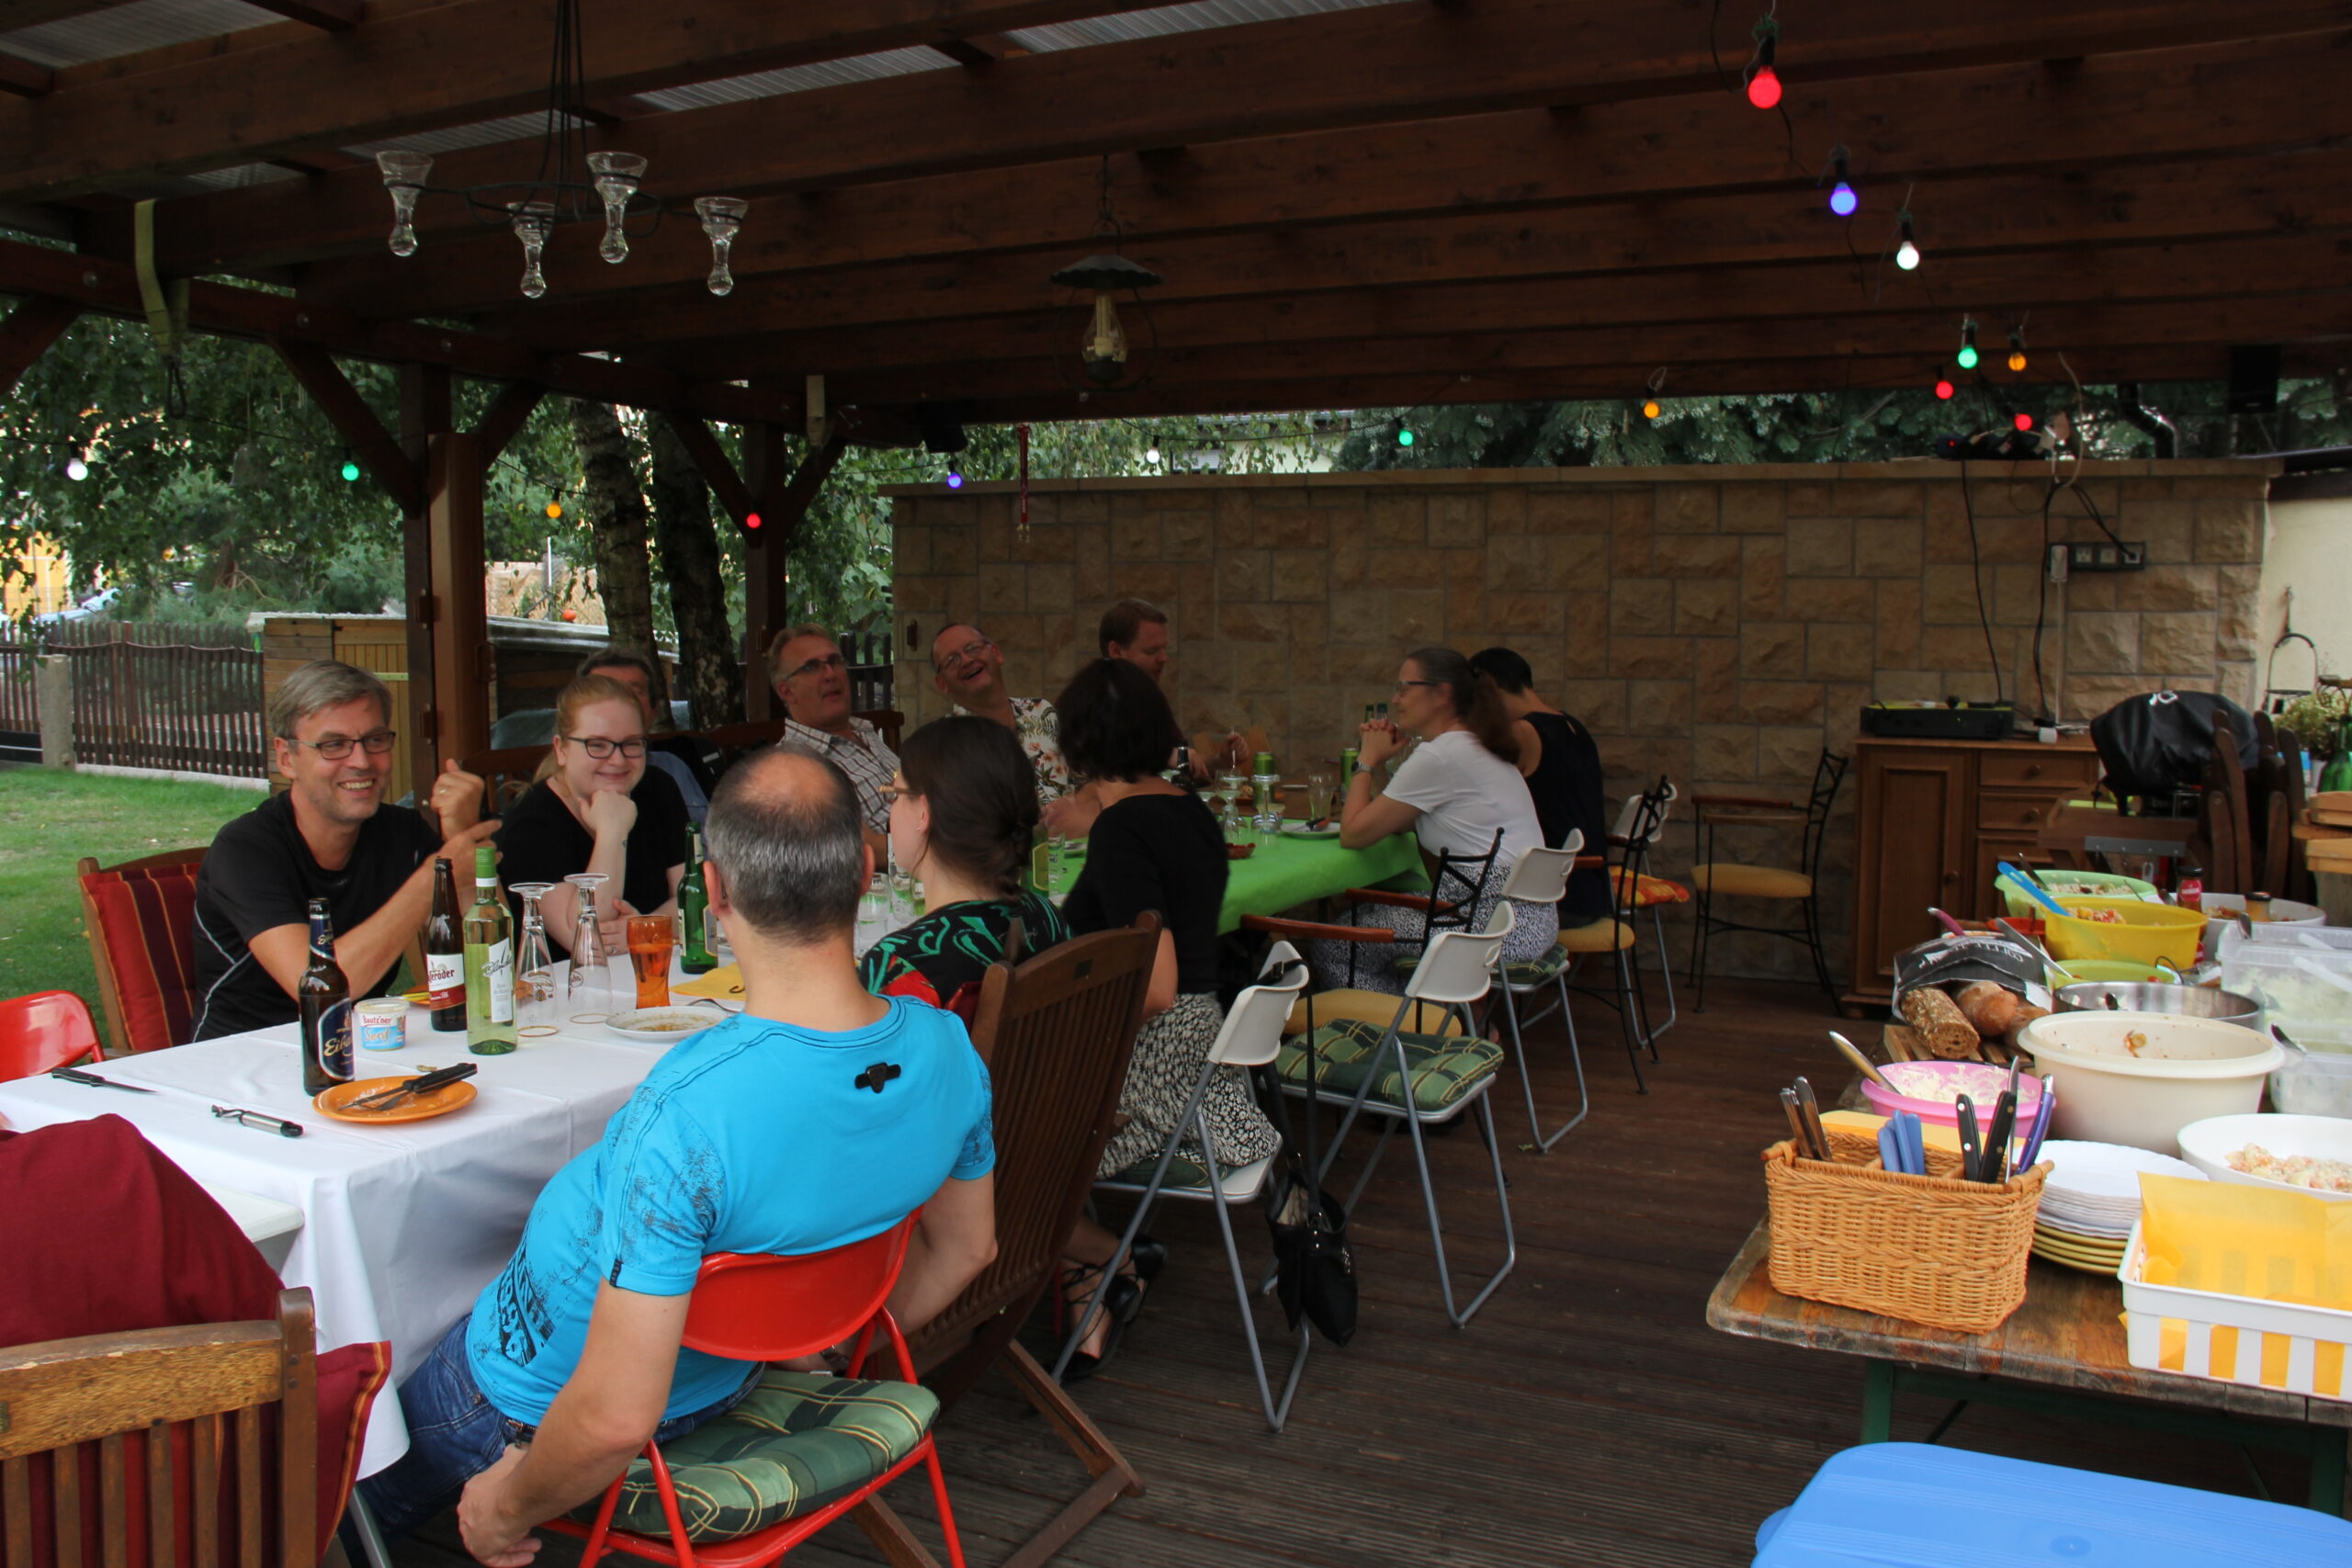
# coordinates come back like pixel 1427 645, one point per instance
pixel 2091 1200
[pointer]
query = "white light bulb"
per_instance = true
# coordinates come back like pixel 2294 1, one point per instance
pixel 1151 456
pixel 1907 256
pixel 77 471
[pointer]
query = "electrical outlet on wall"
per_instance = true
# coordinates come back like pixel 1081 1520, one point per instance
pixel 2106 554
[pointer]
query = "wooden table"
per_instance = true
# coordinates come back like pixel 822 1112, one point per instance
pixel 2061 1352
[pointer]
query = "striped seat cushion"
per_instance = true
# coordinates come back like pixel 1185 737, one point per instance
pixel 798 1441
pixel 147 914
pixel 1445 1071
pixel 1538 970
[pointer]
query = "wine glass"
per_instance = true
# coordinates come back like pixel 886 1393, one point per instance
pixel 535 1001
pixel 589 997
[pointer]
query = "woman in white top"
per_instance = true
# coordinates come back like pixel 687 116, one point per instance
pixel 1455 792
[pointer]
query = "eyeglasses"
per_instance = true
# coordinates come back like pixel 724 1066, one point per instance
pixel 969 650
pixel 336 747
pixel 1402 684
pixel 834 662
pixel 599 748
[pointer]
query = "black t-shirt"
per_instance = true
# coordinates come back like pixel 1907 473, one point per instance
pixel 1157 851
pixel 541 841
pixel 260 875
pixel 1566 785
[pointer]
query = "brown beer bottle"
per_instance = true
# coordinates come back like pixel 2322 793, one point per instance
pixel 323 1000
pixel 445 953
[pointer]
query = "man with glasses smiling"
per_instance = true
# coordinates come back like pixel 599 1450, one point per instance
pixel 812 680
pixel 329 836
pixel 968 669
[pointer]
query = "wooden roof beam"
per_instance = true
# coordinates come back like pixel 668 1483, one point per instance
pixel 178 111
pixel 328 16
pixel 981 49
pixel 1196 90
pixel 25 79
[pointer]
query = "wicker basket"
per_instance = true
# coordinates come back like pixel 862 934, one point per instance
pixel 1930 1249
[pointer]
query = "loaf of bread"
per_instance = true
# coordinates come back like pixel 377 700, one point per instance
pixel 1989 1007
pixel 1941 1024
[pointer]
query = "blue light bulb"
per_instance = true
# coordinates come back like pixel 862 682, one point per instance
pixel 1842 200
pixel 954 481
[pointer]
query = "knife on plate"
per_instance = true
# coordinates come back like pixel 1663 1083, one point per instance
pixel 75 1074
pixel 425 1083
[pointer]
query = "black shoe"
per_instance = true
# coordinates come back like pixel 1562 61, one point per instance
pixel 1149 1256
pixel 1119 1307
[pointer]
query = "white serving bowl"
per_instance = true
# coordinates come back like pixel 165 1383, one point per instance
pixel 2208 1145
pixel 2186 1070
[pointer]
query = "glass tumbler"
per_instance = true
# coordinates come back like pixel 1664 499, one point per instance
pixel 651 938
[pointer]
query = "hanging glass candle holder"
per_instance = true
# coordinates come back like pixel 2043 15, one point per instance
pixel 405 175
pixel 1102 350
pixel 534 221
pixel 721 217
pixel 617 177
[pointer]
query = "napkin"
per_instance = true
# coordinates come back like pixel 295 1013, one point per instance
pixel 2237 1240
pixel 726 984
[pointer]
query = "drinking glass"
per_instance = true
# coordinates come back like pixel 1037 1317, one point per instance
pixel 535 1003
pixel 902 895
pixel 1322 786
pixel 651 938
pixel 872 914
pixel 589 993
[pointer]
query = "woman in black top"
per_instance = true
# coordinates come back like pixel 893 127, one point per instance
pixel 599 809
pixel 1562 766
pixel 1154 846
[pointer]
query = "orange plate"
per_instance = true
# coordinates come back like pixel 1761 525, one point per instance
pixel 415 1108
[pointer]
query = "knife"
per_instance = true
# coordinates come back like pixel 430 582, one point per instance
pixel 423 1084
pixel 1965 1114
pixel 75 1074
pixel 1996 1139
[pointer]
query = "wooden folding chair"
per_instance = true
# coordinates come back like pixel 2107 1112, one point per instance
pixel 1056 1032
pixel 505 773
pixel 101 1430
pixel 888 722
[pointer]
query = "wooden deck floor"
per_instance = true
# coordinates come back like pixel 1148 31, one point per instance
pixel 1586 1417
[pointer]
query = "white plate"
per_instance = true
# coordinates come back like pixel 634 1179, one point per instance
pixel 2210 1143
pixel 2094 1177
pixel 1301 830
pixel 661 1026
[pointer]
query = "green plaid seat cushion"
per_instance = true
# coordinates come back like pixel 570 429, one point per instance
pixel 1445 1069
pixel 798 1441
pixel 1536 971
pixel 1185 1174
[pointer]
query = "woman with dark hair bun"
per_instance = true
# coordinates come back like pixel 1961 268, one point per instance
pixel 963 811
pixel 1154 847
pixel 1458 790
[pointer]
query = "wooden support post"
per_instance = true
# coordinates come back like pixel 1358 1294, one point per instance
pixel 506 417
pixel 463 662
pixel 425 411
pixel 30 328
pixel 351 418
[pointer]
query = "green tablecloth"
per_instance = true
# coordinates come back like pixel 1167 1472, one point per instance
pixel 1289 872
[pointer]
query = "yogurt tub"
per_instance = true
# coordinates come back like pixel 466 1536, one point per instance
pixel 381 1023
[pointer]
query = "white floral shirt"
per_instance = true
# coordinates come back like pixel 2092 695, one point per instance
pixel 1039 729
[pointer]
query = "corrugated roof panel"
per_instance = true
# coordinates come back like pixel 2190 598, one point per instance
pixel 1196 18
pixel 127 29
pixel 514 127
pixel 801 78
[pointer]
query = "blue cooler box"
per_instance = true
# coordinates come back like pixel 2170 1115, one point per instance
pixel 1913 1506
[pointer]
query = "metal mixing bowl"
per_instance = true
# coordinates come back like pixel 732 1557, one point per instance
pixel 2189 1001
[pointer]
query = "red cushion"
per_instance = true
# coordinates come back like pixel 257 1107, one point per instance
pixel 148 916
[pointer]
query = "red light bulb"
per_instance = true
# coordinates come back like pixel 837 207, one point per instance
pixel 1764 88
pixel 2025 422
pixel 750 520
pixel 1943 389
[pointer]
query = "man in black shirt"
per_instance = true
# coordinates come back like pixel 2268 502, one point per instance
pixel 331 836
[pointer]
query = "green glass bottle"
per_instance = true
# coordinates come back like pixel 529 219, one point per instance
pixel 693 911
pixel 490 962
pixel 2337 774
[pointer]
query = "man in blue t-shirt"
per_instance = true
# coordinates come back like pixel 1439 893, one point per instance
pixel 819 1117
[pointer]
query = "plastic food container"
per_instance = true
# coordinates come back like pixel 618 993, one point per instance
pixel 2208 1145
pixel 2294 1335
pixel 1930 1090
pixel 2139 933
pixel 2317 1078
pixel 2221 911
pixel 2064 884
pixel 381 1023
pixel 2302 973
pixel 2139 1077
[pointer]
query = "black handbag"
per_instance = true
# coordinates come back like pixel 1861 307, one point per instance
pixel 1314 1269
pixel 2152 745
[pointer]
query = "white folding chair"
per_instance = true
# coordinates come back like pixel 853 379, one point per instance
pixel 1637 865
pixel 1250 1037
pixel 1412 1079
pixel 1539 876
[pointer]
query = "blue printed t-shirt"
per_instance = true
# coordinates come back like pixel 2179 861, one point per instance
pixel 750 1136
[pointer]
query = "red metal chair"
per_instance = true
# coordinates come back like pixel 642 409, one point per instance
pixel 46 1029
pixel 753 1307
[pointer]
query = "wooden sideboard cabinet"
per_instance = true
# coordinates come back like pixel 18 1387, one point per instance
pixel 1937 817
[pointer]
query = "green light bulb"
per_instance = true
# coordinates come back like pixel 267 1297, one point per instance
pixel 350 471
pixel 1967 356
pixel 1404 438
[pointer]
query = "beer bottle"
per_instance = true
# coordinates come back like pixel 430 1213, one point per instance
pixel 324 998
pixel 490 962
pixel 693 911
pixel 444 952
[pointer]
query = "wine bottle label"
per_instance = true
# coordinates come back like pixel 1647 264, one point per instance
pixel 445 980
pixel 334 1041
pixel 498 973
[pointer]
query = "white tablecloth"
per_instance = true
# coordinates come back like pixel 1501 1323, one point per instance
pixel 403 1223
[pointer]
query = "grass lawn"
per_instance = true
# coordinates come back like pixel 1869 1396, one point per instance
pixel 49 818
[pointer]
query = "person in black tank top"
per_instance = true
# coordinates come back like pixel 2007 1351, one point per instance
pixel 1562 766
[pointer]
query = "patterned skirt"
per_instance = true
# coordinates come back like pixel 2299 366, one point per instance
pixel 1169 1053
pixel 1536 929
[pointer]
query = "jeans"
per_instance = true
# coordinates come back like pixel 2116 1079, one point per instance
pixel 455 1433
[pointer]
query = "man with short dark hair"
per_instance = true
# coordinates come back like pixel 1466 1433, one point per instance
pixel 329 836
pixel 811 679
pixel 968 667
pixel 818 1116
pixel 682 757
pixel 1136 631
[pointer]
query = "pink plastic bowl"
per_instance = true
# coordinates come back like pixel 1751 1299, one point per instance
pixel 1933 1086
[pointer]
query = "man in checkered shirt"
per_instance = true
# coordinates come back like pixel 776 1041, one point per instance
pixel 812 680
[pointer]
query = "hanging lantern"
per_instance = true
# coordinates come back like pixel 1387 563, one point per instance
pixel 721 217
pixel 617 176
pixel 1102 350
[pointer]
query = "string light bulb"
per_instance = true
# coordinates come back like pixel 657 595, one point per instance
pixel 77 469
pixel 2025 422
pixel 752 520
pixel 555 511
pixel 1944 387
pixel 1404 435
pixel 1843 201
pixel 954 480
pixel 1967 354
pixel 1151 456
pixel 1764 83
pixel 350 469
pixel 2017 349
pixel 1906 255
pixel 1650 409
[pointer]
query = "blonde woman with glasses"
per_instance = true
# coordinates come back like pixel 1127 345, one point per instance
pixel 598 808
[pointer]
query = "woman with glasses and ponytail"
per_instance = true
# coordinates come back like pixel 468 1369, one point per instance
pixel 597 808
